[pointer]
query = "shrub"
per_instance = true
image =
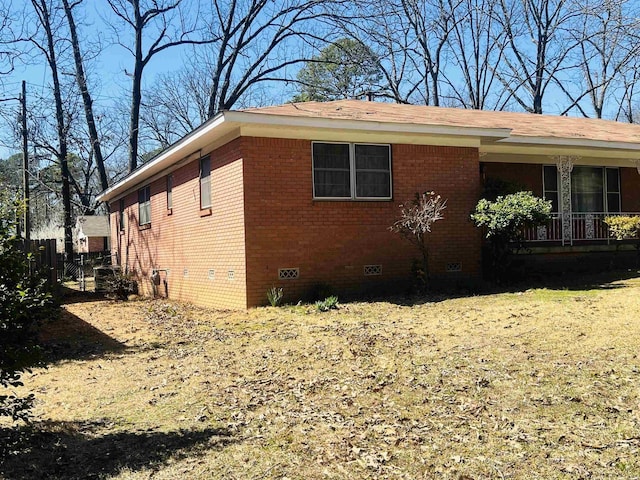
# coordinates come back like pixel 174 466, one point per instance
pixel 504 220
pixel 25 301
pixel 415 222
pixel 624 227
pixel 274 296
pixel 329 303
pixel 120 286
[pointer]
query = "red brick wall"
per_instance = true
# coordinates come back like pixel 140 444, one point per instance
pixel 629 190
pixel 529 176
pixel 331 241
pixel 188 241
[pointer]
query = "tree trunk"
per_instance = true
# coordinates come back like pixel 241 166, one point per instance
pixel 45 20
pixel 86 97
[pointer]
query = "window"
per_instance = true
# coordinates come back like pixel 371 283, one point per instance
pixel 587 189
pixel 593 189
pixel 205 182
pixel 169 192
pixel 351 171
pixel 613 189
pixel 550 187
pixel 144 205
pixel 121 215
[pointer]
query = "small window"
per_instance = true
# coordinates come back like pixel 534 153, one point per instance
pixel 121 215
pixel 205 182
pixel 351 171
pixel 169 192
pixel 550 186
pixel 144 205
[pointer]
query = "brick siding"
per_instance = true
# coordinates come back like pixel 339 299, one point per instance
pixel 330 242
pixel 199 248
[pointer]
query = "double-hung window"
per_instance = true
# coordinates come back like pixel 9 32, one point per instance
pixel 205 182
pixel 355 171
pixel 144 205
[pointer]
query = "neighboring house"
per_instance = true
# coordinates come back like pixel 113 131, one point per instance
pixel 302 195
pixel 92 234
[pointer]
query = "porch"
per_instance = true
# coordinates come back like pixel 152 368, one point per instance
pixel 580 229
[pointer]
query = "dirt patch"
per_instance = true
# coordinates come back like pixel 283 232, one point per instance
pixel 542 383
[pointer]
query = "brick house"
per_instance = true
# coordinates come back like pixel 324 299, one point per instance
pixel 92 233
pixel 302 195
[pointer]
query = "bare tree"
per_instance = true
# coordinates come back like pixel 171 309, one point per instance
pixel 81 80
pixel 537 48
pixel 431 22
pixel 49 46
pixel 606 49
pixel 382 27
pixel 476 47
pixel 176 104
pixel 166 24
pixel 257 42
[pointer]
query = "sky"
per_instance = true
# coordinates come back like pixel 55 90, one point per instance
pixel 108 79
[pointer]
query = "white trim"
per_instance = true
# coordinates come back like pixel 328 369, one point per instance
pixel 571 142
pixel 165 159
pixel 370 125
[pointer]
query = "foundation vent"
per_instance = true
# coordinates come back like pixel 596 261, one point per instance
pixel 288 273
pixel 370 270
pixel 454 267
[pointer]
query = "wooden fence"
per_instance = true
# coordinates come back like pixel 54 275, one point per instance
pixel 44 258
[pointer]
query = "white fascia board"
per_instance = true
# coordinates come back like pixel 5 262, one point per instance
pixel 188 144
pixel 369 125
pixel 570 142
pixel 177 151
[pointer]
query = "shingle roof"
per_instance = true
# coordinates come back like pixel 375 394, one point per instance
pixel 93 225
pixel 521 124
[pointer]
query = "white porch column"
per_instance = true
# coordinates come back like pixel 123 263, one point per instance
pixel 565 166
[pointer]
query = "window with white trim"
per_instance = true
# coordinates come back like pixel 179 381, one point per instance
pixel 593 189
pixel 144 205
pixel 205 182
pixel 356 171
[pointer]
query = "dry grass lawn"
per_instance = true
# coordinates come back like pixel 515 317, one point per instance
pixel 540 383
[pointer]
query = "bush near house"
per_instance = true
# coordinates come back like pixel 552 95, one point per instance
pixel 25 301
pixel 624 227
pixel 415 222
pixel 503 221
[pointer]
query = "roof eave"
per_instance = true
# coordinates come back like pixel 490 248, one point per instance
pixel 164 159
pixel 570 142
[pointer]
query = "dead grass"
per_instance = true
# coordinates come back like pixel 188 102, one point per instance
pixel 543 383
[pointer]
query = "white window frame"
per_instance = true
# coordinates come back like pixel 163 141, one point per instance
pixel 144 205
pixel 203 184
pixel 352 172
pixel 550 190
pixel 605 191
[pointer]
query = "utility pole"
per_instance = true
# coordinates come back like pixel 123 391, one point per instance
pixel 25 169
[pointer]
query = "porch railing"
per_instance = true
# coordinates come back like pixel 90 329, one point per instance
pixel 584 227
